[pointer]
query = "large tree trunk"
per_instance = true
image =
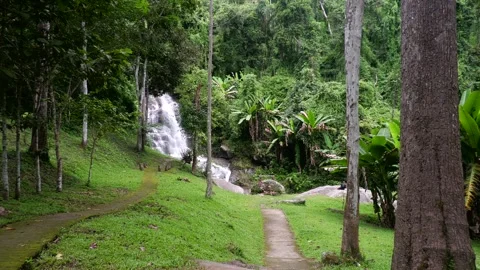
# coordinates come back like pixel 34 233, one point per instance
pixel 39 142
pixel 18 181
pixel 6 189
pixel 431 229
pixel 353 39
pixel 84 88
pixel 208 192
pixel 57 120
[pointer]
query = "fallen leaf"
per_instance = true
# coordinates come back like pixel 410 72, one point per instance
pixel 93 245
pixel 59 256
pixel 151 226
pixel 142 248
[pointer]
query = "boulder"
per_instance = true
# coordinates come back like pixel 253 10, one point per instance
pixel 337 192
pixel 298 201
pixel 228 186
pixel 3 212
pixel 225 152
pixel 271 187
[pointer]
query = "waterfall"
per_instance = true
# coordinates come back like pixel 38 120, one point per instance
pixel 168 137
pixel 165 132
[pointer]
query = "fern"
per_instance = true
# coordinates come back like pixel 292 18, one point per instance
pixel 472 184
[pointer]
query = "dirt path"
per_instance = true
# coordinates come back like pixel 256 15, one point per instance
pixel 282 253
pixel 22 240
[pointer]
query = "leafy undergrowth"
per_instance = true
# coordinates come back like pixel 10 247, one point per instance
pixel 318 230
pixel 115 173
pixel 170 229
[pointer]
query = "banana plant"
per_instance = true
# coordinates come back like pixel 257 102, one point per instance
pixel 469 116
pixel 227 86
pixel 291 132
pixel 278 138
pixel 379 156
pixel 270 108
pixel 248 113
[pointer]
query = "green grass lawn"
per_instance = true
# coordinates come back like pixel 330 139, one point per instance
pixel 168 230
pixel 318 229
pixel 115 172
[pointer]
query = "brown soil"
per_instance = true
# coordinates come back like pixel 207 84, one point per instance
pixel 22 240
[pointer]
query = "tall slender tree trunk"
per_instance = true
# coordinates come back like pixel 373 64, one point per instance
pixel 196 102
pixel 431 229
pixel 37 166
pixel 142 105
pixel 353 39
pixel 92 154
pixel 325 16
pixel 18 181
pixel 208 192
pixel 57 120
pixel 6 188
pixel 84 88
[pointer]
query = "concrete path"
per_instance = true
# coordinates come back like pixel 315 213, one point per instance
pixel 22 240
pixel 282 253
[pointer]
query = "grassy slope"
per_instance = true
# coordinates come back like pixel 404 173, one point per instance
pixel 168 230
pixel 115 172
pixel 319 229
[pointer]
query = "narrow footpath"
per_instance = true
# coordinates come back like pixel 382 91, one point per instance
pixel 25 239
pixel 282 253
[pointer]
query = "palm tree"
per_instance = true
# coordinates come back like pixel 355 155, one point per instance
pixel 312 124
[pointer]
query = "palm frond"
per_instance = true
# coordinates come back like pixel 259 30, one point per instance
pixel 472 184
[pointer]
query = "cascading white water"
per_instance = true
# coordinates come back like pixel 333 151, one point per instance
pixel 168 137
pixel 165 132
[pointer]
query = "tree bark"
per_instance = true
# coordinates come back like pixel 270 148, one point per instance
pixel 431 229
pixel 18 181
pixel 142 106
pixel 92 154
pixel 6 188
pixel 326 17
pixel 208 192
pixel 39 142
pixel 57 120
pixel 37 165
pixel 353 38
pixel 84 88
pixel 196 102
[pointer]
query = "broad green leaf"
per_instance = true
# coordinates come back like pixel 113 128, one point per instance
pixel 470 127
pixel 363 147
pixel 395 132
pixel 377 151
pixel 385 132
pixel 472 103
pixel 378 140
pixel 340 162
pixel 465 94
